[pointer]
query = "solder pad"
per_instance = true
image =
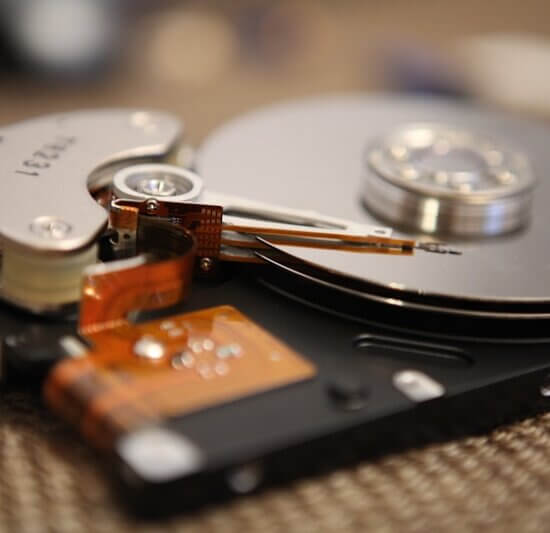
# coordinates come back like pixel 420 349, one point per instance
pixel 137 374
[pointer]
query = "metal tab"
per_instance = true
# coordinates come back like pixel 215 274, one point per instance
pixel 48 165
pixel 417 386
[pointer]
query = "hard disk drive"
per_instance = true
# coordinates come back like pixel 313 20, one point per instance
pixel 375 271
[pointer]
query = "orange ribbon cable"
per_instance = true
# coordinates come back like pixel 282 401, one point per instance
pixel 138 374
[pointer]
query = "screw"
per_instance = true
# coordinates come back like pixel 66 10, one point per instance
pixel 348 392
pixel 152 205
pixel 245 478
pixel 49 227
pixel 206 264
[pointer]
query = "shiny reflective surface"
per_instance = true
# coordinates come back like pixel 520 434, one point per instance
pixel 310 154
pixel 441 160
pixel 441 179
pixel 49 163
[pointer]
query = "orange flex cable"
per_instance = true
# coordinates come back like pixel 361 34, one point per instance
pixel 203 221
pixel 111 291
pixel 160 278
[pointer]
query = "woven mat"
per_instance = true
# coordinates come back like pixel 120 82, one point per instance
pixel 50 481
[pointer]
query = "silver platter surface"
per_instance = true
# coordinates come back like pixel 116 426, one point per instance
pixel 311 154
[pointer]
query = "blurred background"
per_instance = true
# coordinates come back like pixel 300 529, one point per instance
pixel 210 60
